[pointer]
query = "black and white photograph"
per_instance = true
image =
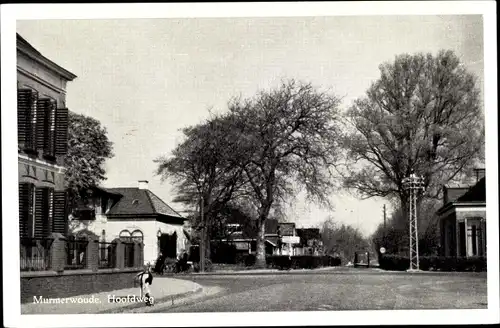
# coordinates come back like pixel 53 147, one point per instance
pixel 215 164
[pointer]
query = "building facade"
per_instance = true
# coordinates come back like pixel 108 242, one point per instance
pixel 42 124
pixel 463 220
pixel 131 214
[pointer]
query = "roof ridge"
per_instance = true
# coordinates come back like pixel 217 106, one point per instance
pixel 149 200
pixel 161 200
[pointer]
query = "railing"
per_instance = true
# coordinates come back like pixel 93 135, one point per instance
pixel 107 253
pixel 129 254
pixel 76 254
pixel 35 253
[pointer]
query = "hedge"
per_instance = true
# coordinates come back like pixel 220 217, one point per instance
pixel 301 261
pixel 434 263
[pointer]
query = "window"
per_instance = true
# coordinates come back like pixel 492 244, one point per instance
pixel 27 118
pixel 137 236
pixel 41 125
pixel 474 237
pixel 125 236
pixel 36 211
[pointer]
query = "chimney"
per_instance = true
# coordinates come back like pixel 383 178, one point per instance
pixel 480 173
pixel 143 184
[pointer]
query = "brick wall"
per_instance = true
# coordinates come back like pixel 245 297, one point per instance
pixel 72 283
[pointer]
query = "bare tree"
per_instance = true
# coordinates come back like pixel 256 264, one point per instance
pixel 422 115
pixel 342 240
pixel 202 167
pixel 288 139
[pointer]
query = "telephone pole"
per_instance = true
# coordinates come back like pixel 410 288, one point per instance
pixel 415 187
pixel 385 231
pixel 385 216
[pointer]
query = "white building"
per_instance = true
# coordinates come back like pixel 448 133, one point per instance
pixel 131 214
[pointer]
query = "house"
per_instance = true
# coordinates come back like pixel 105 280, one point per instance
pixel 463 219
pixel 310 242
pixel 42 132
pixel 131 214
pixel 279 238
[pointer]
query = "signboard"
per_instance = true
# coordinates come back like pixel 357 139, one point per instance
pixel 382 250
pixel 286 229
pixel 241 245
pixel 290 240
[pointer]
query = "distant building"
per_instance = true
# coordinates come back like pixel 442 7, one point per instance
pixel 131 214
pixel 280 238
pixel 310 242
pixel 42 132
pixel 463 219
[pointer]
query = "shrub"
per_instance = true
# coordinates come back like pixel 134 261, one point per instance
pixel 301 261
pixel 434 263
pixel 249 260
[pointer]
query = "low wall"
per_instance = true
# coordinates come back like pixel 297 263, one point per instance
pixel 51 284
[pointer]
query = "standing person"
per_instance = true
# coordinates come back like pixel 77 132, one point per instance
pixel 145 280
pixel 160 263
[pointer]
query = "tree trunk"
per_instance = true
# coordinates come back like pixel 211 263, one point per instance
pixel 260 260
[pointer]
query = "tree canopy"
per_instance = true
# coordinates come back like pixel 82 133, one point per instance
pixel 88 149
pixel 422 115
pixel 289 140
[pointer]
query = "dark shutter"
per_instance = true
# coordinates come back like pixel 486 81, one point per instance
pixel 26 116
pixel 61 131
pixel 41 123
pixel 50 140
pixel 25 201
pixel 40 212
pixel 59 217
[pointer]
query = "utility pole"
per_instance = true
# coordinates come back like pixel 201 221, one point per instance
pixel 203 225
pixel 415 186
pixel 385 231
pixel 202 239
pixel 385 216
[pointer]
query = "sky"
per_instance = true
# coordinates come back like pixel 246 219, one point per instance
pixel 145 79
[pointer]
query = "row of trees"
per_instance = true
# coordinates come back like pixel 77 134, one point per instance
pixel 343 240
pixel 422 115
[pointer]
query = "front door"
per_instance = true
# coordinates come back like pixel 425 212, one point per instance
pixel 168 245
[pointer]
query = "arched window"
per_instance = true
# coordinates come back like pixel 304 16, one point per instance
pixel 137 236
pixel 125 236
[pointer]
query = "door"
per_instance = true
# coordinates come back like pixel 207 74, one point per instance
pixel 168 245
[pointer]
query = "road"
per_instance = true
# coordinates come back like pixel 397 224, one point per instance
pixel 354 289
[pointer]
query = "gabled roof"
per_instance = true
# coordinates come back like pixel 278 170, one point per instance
pixel 474 196
pixel 27 49
pixel 140 202
pixel 477 193
pixel 308 233
pixel 271 226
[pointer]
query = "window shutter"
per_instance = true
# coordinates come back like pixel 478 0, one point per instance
pixel 59 212
pixel 26 117
pixel 40 212
pixel 50 141
pixel 24 208
pixel 42 121
pixel 61 131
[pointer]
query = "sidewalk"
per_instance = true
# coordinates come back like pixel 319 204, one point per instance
pixel 162 289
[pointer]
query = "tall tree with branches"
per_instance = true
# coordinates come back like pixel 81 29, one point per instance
pixel 88 150
pixel 288 138
pixel 423 115
pixel 202 167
